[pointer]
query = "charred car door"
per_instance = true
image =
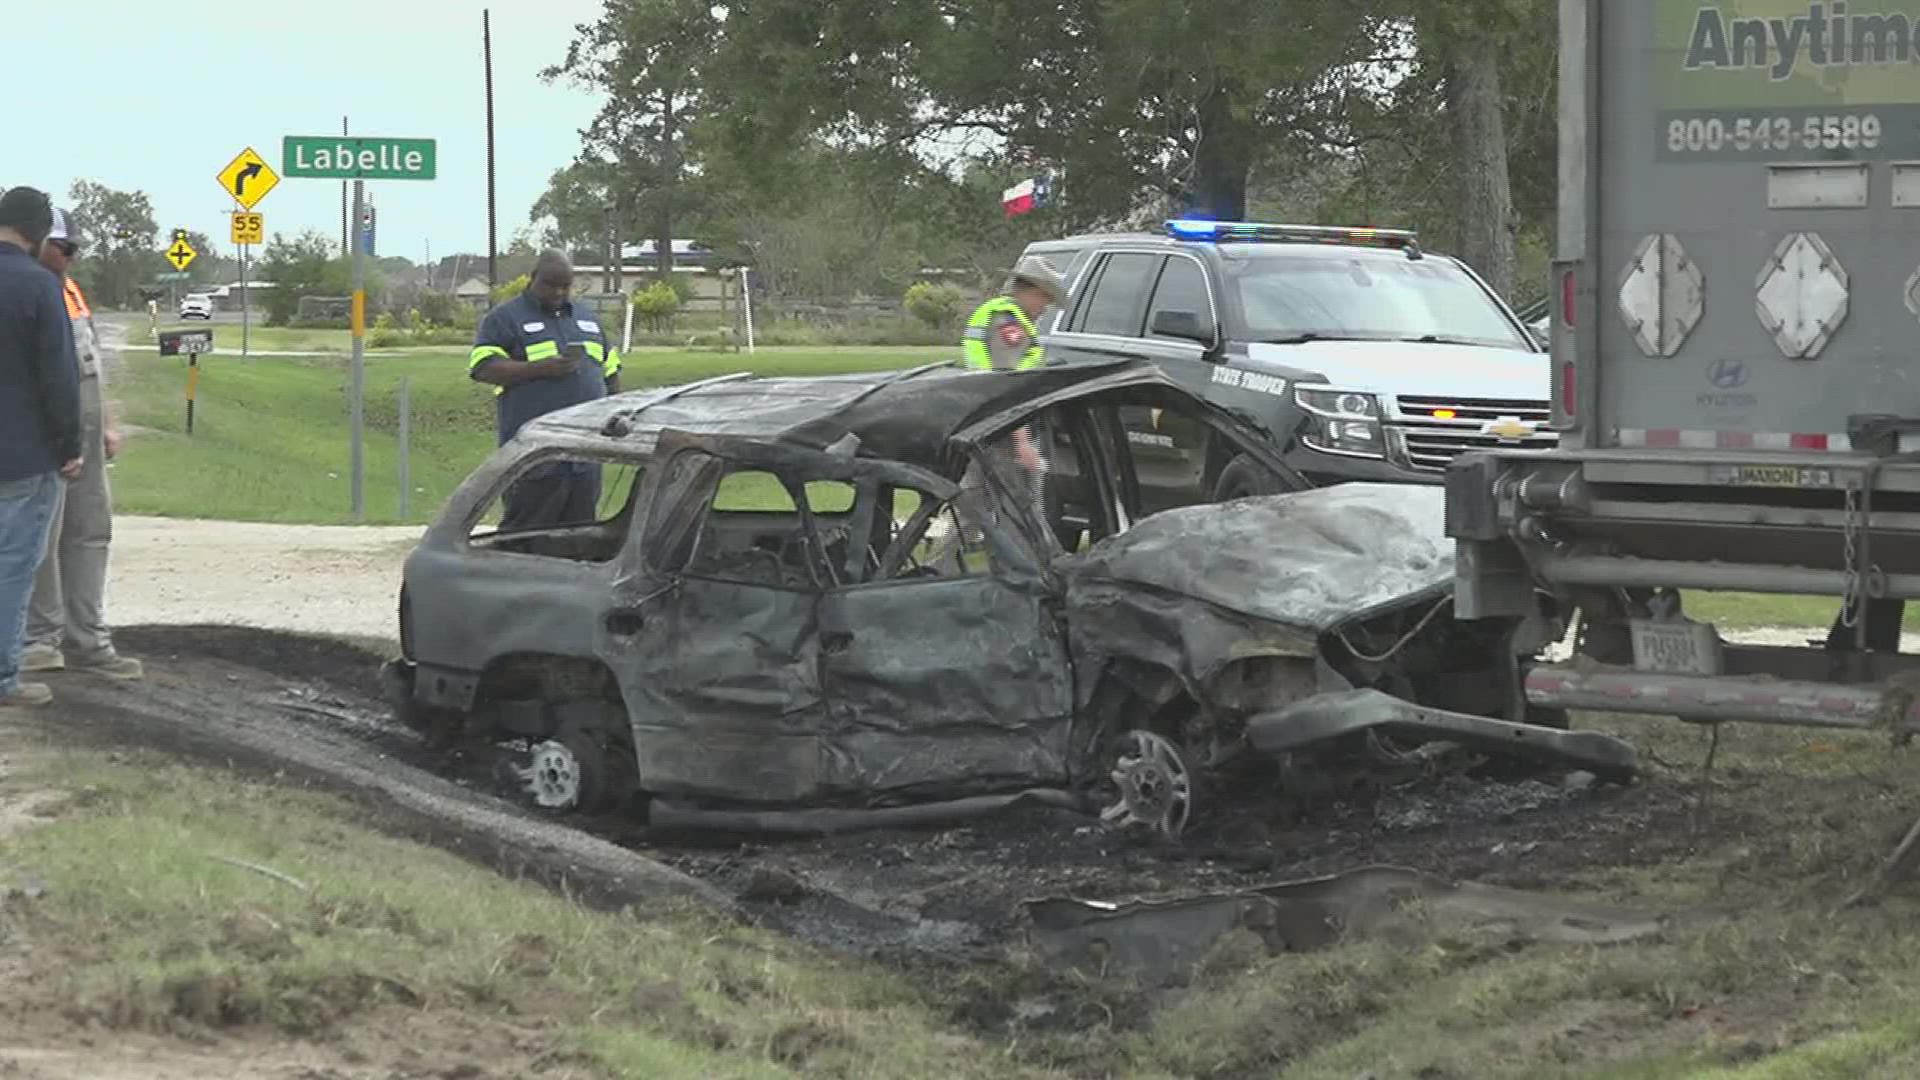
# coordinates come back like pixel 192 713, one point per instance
pixel 711 631
pixel 765 659
pixel 951 682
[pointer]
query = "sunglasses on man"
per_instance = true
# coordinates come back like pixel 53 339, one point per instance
pixel 65 247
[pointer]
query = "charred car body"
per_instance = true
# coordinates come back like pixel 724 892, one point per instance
pixel 752 634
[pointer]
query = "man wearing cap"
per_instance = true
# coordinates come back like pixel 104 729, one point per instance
pixel 39 421
pixel 1003 335
pixel 66 623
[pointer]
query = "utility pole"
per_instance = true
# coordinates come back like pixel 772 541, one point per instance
pixel 356 416
pixel 493 246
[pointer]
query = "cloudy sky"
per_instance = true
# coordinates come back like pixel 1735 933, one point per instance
pixel 159 97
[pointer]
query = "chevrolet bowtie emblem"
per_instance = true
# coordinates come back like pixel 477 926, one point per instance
pixel 1509 429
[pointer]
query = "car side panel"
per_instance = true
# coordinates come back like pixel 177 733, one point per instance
pixel 943 687
pixel 468 607
pixel 722 684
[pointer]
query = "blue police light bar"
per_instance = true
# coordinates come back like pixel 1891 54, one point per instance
pixel 1241 232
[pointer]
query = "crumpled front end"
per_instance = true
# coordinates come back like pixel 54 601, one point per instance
pixel 1298 622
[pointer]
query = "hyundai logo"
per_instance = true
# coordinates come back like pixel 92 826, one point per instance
pixel 1727 374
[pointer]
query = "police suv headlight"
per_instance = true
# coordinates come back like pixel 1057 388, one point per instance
pixel 1342 422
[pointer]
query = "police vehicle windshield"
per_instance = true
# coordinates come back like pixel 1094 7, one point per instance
pixel 1368 296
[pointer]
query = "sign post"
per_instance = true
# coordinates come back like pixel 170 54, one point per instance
pixel 247 179
pixel 358 158
pixel 190 344
pixel 248 228
pixel 356 419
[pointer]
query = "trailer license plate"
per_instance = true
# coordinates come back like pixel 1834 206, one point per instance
pixel 1675 647
pixel 1783 476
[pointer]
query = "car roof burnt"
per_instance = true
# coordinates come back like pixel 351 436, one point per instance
pixel 909 416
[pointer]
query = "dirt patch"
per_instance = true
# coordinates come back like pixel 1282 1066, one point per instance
pixel 309 578
pixel 958 891
pixel 283 704
pixel 1794 822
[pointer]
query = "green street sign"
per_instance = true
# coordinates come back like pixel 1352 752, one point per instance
pixel 356 157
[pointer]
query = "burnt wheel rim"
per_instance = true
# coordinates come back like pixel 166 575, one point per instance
pixel 553 776
pixel 1155 788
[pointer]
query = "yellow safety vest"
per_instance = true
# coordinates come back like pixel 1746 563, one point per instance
pixel 975 341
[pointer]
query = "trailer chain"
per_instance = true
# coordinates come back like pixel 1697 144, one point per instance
pixel 1850 552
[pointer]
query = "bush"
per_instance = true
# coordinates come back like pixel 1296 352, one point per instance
pixel 939 306
pixel 657 304
pixel 386 333
pixel 443 308
pixel 503 293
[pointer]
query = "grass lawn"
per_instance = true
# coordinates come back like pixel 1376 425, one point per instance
pixel 270 435
pixel 154 932
pixel 143 926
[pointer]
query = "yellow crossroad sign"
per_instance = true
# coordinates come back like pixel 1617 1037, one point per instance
pixel 248 178
pixel 249 228
pixel 181 254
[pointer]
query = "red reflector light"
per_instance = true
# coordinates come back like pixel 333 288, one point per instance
pixel 1566 298
pixel 1569 390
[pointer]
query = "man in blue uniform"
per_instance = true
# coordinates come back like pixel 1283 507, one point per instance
pixel 541 354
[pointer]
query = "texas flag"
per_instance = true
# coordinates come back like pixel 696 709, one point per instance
pixel 1018 199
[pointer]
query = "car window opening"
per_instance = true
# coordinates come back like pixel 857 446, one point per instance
pixel 594 538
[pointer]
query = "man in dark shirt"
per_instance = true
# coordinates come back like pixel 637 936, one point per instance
pixel 39 421
pixel 542 355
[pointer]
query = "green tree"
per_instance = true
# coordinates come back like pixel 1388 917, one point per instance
pixel 120 243
pixel 305 266
pixel 649 58
pixel 209 266
pixel 1401 150
pixel 1170 101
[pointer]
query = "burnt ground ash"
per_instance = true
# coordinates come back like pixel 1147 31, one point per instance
pixel 958 890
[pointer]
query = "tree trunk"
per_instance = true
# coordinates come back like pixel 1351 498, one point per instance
pixel 1477 117
pixel 670 180
pixel 1222 158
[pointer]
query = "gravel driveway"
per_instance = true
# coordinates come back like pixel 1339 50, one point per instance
pixel 303 578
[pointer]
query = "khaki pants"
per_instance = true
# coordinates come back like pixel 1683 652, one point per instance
pixel 69 597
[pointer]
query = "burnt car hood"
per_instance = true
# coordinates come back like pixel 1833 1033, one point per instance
pixel 1310 561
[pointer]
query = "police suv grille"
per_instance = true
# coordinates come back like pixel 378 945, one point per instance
pixel 1428 443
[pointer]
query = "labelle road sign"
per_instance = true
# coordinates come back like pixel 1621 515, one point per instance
pixel 341 157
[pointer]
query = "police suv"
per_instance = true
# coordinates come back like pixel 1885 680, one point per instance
pixel 1361 355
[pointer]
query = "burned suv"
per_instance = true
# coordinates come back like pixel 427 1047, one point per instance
pixel 756 633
